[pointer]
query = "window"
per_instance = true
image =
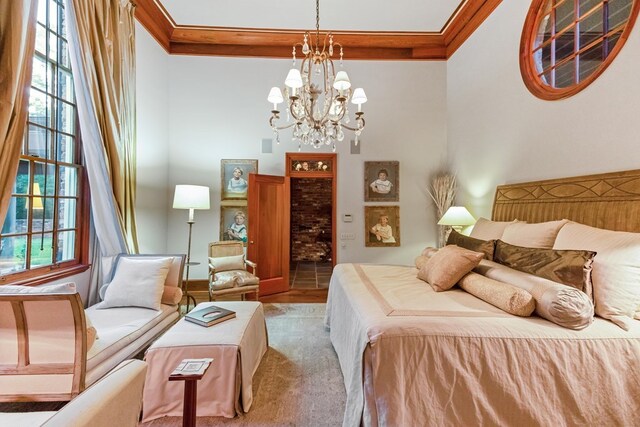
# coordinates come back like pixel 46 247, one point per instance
pixel 567 44
pixel 43 231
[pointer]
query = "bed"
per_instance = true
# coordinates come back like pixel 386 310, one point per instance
pixel 411 356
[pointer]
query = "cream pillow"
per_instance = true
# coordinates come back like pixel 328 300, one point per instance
pixel 485 229
pixel 616 269
pixel 540 235
pixel 227 263
pixel 137 282
pixel 443 270
pixel 62 288
pixel 171 295
pixel 506 297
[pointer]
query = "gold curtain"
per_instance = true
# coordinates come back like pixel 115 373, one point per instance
pixel 17 41
pixel 106 38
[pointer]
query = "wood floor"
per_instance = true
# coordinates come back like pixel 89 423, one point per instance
pixel 201 294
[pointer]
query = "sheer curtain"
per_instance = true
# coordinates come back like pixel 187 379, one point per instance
pixel 17 42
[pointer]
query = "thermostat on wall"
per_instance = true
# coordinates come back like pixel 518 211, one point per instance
pixel 347 218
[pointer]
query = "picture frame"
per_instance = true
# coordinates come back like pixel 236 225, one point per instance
pixel 377 231
pixel 234 223
pixel 234 185
pixel 382 181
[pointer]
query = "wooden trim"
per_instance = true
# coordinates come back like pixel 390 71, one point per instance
pixel 38 276
pixel 275 43
pixel 22 333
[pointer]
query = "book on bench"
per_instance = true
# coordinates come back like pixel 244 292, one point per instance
pixel 209 316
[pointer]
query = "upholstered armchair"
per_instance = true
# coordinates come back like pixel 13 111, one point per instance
pixel 228 273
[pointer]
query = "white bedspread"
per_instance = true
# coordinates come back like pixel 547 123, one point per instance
pixel 411 356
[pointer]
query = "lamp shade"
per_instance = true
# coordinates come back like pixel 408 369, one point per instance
pixel 457 215
pixel 37 199
pixel 294 79
pixel 341 81
pixel 275 95
pixel 359 97
pixel 191 197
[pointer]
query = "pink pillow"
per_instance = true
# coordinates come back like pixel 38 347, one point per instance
pixel 446 267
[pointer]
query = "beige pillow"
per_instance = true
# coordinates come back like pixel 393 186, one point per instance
pixel 447 266
pixel 171 295
pixel 421 260
pixel 485 229
pixel 92 333
pixel 540 235
pixel 506 297
pixel 428 251
pixel 227 263
pixel 616 269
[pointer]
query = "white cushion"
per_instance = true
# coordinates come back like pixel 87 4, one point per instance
pixel 61 288
pixel 138 282
pixel 485 229
pixel 226 263
pixel 616 269
pixel 540 235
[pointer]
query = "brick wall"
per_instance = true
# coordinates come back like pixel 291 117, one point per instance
pixel 310 219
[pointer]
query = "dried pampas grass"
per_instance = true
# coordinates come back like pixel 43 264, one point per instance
pixel 443 193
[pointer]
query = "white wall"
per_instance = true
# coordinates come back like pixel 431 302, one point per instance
pixel 152 92
pixel 498 132
pixel 218 110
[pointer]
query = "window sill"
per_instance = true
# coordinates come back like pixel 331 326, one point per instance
pixel 35 278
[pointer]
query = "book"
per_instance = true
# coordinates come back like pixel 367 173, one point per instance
pixel 189 367
pixel 209 316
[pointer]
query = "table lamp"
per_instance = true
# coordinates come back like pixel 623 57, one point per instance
pixel 457 217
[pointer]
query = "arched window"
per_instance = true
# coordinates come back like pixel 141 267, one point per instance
pixel 567 44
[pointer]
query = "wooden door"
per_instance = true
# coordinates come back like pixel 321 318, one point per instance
pixel 268 236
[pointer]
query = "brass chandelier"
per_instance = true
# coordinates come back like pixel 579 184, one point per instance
pixel 317 96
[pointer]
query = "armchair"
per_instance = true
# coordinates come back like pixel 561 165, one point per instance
pixel 228 273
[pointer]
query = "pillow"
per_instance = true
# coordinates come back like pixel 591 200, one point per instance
pixel 506 297
pixel 616 269
pixel 569 267
pixel 429 251
pixel 421 260
pixel 485 229
pixel 171 295
pixel 137 282
pixel 477 245
pixel 447 266
pixel 558 303
pixel 92 333
pixel 226 263
pixel 540 235
pixel 62 288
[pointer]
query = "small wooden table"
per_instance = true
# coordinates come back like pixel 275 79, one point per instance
pixel 190 396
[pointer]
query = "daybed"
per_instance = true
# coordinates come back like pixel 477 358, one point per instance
pixel 413 356
pixel 43 337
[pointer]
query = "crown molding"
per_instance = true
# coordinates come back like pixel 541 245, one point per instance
pixel 273 43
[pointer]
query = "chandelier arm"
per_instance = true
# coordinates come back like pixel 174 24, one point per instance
pixel 280 127
pixel 354 129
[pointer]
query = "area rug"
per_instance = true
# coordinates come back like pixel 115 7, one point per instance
pixel 298 383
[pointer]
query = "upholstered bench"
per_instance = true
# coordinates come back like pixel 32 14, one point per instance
pixel 236 345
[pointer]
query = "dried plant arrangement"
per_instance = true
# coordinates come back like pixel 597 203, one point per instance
pixel 443 193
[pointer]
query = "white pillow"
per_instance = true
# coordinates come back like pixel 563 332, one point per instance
pixel 539 235
pixel 137 282
pixel 616 269
pixel 62 288
pixel 226 263
pixel 485 229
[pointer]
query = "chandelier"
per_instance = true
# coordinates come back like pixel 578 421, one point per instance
pixel 317 96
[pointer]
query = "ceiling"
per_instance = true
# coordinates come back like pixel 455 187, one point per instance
pixel 369 29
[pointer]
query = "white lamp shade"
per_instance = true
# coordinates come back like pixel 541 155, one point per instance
pixel 341 81
pixel 37 200
pixel 358 97
pixel 457 215
pixel 191 197
pixel 294 79
pixel 275 96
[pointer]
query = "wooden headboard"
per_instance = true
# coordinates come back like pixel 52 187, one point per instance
pixel 609 200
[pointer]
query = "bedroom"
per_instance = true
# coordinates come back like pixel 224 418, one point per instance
pixel 471 114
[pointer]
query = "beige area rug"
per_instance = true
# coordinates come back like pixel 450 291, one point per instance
pixel 298 383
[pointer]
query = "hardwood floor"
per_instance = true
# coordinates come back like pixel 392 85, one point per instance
pixel 199 291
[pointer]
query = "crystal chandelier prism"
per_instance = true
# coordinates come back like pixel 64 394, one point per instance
pixel 317 96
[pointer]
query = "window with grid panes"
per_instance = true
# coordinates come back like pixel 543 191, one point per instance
pixel 42 231
pixel 567 44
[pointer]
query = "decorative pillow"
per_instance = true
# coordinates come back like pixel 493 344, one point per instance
pixel 485 229
pixel 226 263
pixel 223 280
pixel 244 278
pixel 92 333
pixel 171 295
pixel 61 288
pixel 137 282
pixel 540 235
pixel 447 266
pixel 477 245
pixel 616 269
pixel 421 260
pixel 569 267
pixel 428 251
pixel 506 297
pixel 558 303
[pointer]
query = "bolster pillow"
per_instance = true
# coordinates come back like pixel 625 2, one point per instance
pixel 171 295
pixel 506 297
pixel 558 303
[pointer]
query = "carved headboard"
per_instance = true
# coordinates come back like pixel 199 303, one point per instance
pixel 610 200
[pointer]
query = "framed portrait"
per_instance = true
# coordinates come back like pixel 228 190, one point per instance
pixel 234 224
pixel 235 181
pixel 382 225
pixel 382 181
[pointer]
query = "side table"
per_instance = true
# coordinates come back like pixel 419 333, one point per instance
pixel 190 396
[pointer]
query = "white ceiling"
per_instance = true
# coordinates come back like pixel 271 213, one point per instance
pixel 348 15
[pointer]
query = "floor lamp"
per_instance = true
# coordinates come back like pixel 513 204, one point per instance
pixel 190 197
